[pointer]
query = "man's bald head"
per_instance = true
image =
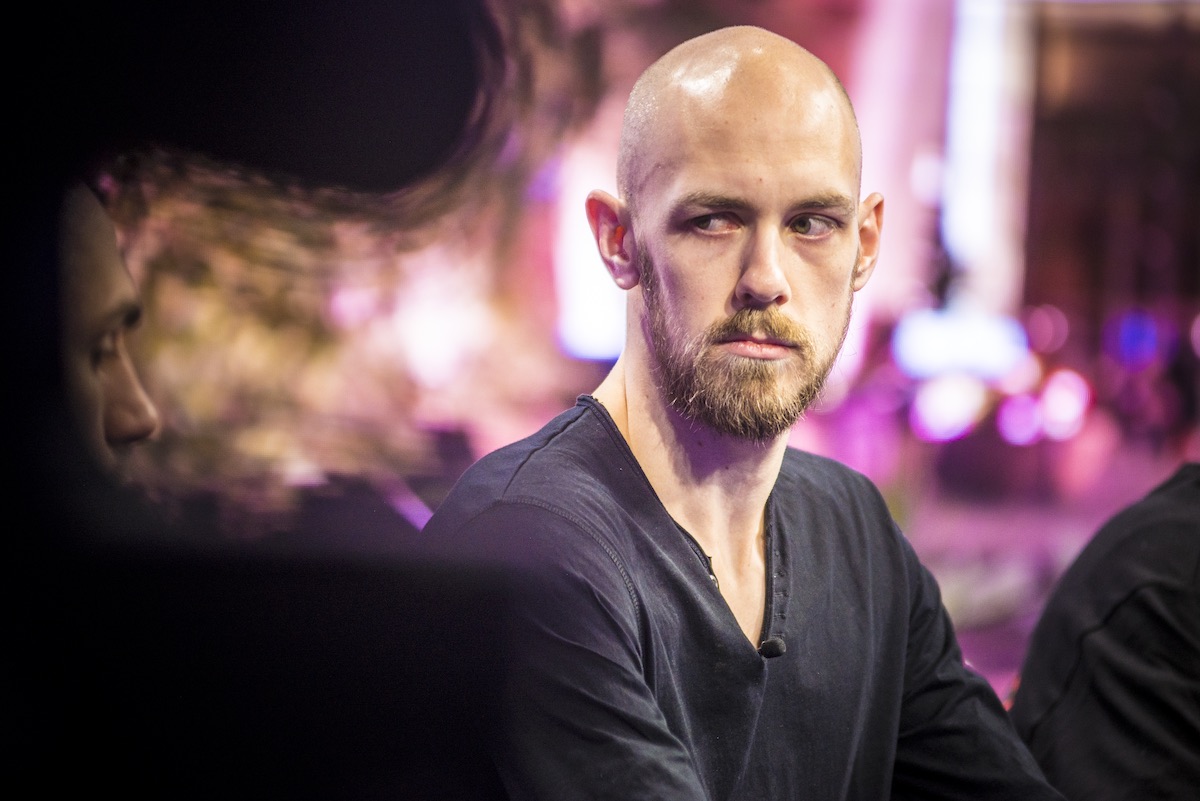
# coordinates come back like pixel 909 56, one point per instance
pixel 726 72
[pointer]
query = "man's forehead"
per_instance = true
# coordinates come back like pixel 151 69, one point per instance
pixel 778 102
pixel 98 291
pixel 723 106
pixel 752 154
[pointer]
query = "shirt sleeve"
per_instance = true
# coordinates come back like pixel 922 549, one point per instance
pixel 955 739
pixel 577 719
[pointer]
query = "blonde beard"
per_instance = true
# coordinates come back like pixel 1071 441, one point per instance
pixel 744 398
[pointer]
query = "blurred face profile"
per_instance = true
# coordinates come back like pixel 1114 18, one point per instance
pixel 100 308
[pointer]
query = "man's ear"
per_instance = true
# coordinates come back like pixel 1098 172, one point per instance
pixel 870 227
pixel 610 227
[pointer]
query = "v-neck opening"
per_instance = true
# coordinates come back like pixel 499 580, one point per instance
pixel 770 553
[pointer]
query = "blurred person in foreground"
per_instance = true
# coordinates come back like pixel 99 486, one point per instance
pixel 1108 696
pixel 146 656
pixel 100 310
pixel 714 614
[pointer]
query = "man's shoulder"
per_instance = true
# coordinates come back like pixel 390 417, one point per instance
pixel 1155 540
pixel 816 475
pixel 571 461
pixel 816 492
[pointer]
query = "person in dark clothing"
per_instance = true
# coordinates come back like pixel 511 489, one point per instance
pixel 709 613
pixel 1108 696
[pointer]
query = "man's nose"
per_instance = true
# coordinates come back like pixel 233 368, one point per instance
pixel 130 415
pixel 763 281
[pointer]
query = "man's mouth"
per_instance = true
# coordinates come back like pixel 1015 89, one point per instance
pixel 757 339
pixel 756 347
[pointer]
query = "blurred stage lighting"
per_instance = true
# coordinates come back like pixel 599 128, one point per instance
pixel 947 407
pixel 1019 419
pixel 1064 404
pixel 1047 327
pixel 935 342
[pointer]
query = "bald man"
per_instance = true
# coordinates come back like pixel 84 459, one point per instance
pixel 710 613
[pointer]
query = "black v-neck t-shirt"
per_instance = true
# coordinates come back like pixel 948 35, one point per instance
pixel 630 678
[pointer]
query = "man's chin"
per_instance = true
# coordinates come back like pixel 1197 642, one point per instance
pixel 121 465
pixel 745 415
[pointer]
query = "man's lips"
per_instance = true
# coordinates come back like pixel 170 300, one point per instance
pixel 755 347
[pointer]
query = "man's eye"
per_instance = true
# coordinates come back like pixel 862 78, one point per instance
pixel 712 222
pixel 809 225
pixel 106 347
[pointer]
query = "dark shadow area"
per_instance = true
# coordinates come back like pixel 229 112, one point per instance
pixel 364 96
pixel 185 672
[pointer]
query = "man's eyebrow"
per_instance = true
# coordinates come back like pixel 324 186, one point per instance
pixel 832 201
pixel 126 315
pixel 710 200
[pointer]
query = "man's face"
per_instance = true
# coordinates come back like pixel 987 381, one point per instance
pixel 100 307
pixel 748 245
pixel 750 396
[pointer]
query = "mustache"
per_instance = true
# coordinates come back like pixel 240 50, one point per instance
pixel 761 322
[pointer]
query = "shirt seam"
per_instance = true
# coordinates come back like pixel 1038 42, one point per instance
pixel 579 523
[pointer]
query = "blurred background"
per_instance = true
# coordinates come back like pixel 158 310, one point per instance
pixel 1023 363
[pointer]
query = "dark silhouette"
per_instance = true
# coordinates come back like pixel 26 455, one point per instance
pixel 1109 692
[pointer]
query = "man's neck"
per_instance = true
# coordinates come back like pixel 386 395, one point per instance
pixel 713 484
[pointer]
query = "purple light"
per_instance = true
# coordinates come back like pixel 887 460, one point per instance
pixel 1064 404
pixel 1047 327
pixel 352 306
pixel 1135 339
pixel 1019 420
